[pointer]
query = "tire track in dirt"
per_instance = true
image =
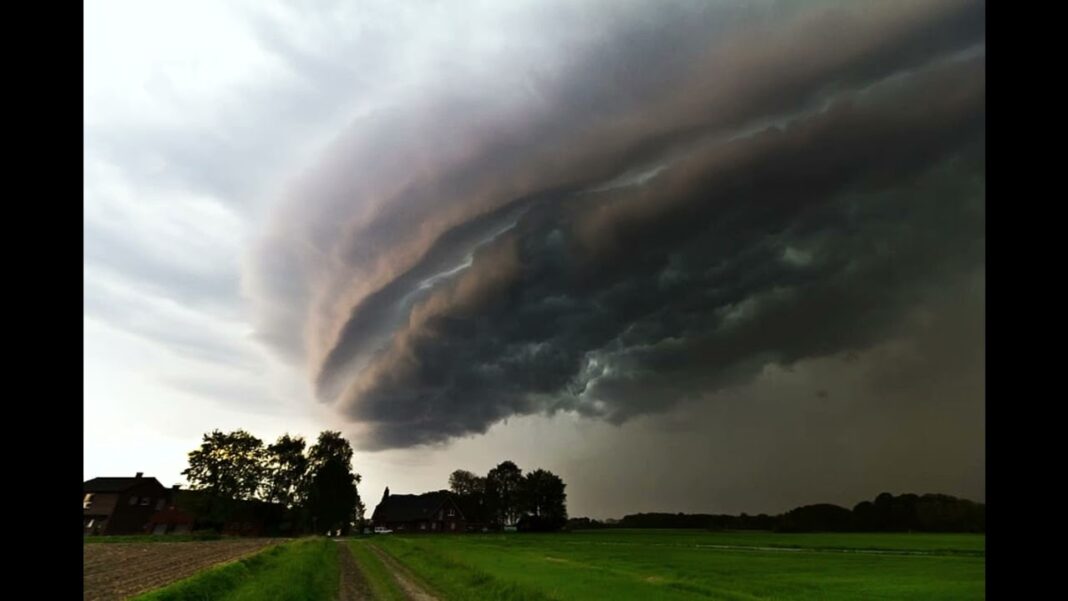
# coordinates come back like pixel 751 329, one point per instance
pixel 354 586
pixel 404 578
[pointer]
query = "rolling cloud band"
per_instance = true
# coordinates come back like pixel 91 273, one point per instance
pixel 686 202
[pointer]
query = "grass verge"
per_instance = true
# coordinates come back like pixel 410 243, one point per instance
pixel 304 570
pixel 456 580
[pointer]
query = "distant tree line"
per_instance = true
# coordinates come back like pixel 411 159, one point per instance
pixel 507 497
pixel 887 513
pixel 309 489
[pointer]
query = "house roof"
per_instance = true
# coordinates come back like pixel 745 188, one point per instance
pixel 410 508
pixel 100 485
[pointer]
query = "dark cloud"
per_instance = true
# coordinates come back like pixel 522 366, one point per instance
pixel 697 293
pixel 906 415
pixel 471 271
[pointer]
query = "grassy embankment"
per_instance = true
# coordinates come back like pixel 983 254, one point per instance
pixel 303 570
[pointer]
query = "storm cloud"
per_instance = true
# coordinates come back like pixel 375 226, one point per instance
pixel 633 211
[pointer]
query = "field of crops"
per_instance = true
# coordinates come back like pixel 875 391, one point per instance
pixel 694 565
pixel 610 564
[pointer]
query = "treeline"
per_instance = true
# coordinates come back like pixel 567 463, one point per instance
pixel 887 513
pixel 506 497
pixel 309 489
pixel 699 520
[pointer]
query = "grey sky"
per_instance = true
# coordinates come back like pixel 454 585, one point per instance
pixel 691 256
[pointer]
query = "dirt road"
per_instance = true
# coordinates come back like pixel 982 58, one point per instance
pixel 404 578
pixel 354 586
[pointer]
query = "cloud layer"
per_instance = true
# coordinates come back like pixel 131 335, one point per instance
pixel 613 224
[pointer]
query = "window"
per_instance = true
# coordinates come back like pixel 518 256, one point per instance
pixel 451 512
pixel 90 524
pixel 160 504
pixel 146 501
pixel 87 502
pixel 422 526
pixel 133 500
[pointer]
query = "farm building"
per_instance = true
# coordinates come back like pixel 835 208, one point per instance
pixel 428 512
pixel 142 505
pixel 476 516
pixel 120 505
pixel 197 510
pixel 171 519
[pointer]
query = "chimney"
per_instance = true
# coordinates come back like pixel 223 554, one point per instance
pixel 176 487
pixel 385 495
pixel 139 474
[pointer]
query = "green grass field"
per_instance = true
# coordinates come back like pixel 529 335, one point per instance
pixel 303 570
pixel 651 564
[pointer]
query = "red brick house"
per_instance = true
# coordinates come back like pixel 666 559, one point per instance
pixel 172 519
pixel 188 510
pixel 429 512
pixel 120 505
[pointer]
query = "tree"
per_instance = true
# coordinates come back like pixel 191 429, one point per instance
pixel 502 489
pixel 358 518
pixel 466 484
pixel 286 468
pixel 471 493
pixel 332 498
pixel 330 445
pixel 821 517
pixel 543 500
pixel 865 518
pixel 228 466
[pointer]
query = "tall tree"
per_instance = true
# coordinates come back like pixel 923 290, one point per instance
pixel 227 465
pixel 466 484
pixel 329 446
pixel 332 497
pixel 471 492
pixel 542 497
pixel 502 485
pixel 286 466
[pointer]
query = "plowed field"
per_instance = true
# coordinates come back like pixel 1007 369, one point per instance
pixel 116 571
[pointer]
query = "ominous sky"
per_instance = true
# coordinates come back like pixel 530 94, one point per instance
pixel 692 256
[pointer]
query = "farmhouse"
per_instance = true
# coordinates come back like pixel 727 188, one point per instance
pixel 120 505
pixel 173 518
pixel 428 512
pixel 188 510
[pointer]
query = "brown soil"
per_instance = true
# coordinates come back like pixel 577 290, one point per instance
pixel 407 582
pixel 354 586
pixel 115 571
